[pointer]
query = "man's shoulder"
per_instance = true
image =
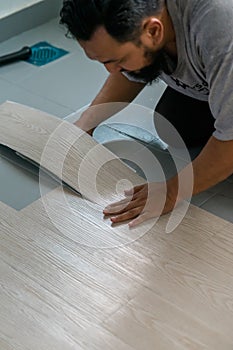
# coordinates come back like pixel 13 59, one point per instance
pixel 184 5
pixel 198 6
pixel 210 16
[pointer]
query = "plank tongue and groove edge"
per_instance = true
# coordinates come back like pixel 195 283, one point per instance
pixel 65 151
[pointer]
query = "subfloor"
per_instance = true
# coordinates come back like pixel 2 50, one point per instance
pixel 70 83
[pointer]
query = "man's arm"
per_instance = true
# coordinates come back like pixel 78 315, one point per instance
pixel 213 165
pixel 117 88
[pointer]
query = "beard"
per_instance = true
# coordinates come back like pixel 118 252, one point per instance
pixel 159 63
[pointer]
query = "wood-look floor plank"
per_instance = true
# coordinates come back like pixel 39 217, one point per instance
pixel 32 318
pixel 59 276
pixel 152 259
pixel 71 280
pixel 218 249
pixel 66 151
pixel 201 294
pixel 150 322
pixel 31 125
pixel 198 287
pixel 7 212
pixel 100 338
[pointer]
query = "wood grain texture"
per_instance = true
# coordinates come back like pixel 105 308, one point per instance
pixel 69 280
pixel 64 150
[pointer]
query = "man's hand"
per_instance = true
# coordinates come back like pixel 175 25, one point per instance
pixel 214 164
pixel 142 203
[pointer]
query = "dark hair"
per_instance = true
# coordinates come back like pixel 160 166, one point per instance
pixel 121 18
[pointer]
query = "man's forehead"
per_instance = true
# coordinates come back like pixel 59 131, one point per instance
pixel 99 40
pixel 102 47
pixel 101 35
pixel 100 54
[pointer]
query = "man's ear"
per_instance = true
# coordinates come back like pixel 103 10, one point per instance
pixel 152 32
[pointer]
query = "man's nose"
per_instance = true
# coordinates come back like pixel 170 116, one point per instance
pixel 112 67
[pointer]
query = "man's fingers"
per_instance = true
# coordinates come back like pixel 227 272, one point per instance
pixel 130 214
pixel 139 220
pixel 115 207
pixel 126 203
pixel 134 190
pixel 121 208
pixel 130 207
pixel 140 204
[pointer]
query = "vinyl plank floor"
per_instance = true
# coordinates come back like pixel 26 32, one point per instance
pixel 71 280
pixel 149 321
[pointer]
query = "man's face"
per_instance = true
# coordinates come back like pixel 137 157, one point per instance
pixel 150 72
pixel 137 61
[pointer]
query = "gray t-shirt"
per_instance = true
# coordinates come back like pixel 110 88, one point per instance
pixel 204 38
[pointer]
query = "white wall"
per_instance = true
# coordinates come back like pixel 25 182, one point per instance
pixel 17 16
pixel 11 6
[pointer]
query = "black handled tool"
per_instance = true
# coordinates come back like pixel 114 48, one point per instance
pixel 22 54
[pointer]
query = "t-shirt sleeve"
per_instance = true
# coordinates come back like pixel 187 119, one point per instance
pixel 214 40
